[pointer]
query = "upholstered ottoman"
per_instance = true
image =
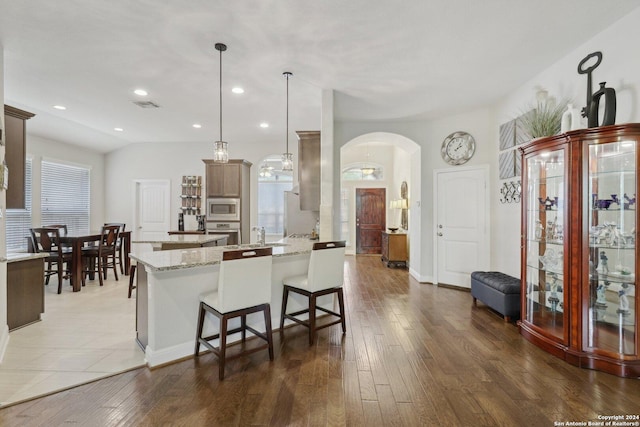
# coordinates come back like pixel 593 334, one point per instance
pixel 499 291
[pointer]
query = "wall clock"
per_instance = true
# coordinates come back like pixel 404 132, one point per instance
pixel 458 148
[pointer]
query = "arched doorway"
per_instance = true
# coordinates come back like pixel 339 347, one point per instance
pixel 397 161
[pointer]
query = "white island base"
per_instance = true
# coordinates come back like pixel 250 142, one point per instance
pixel 169 285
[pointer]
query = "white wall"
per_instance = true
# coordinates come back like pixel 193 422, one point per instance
pixel 40 148
pixel 429 135
pixel 172 161
pixel 620 68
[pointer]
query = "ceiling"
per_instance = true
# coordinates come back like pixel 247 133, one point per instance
pixel 386 60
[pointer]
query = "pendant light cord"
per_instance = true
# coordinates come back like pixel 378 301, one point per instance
pixel 220 94
pixel 287 139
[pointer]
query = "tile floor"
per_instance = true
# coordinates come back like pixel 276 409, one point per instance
pixel 83 336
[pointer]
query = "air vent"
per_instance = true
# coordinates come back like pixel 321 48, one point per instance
pixel 146 104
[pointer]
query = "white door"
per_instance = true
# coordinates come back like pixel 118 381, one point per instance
pixel 462 225
pixel 152 208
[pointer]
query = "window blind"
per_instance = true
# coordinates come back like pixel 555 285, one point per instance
pixel 18 221
pixel 65 196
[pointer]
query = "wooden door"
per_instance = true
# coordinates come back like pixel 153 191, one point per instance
pixel 370 220
pixel 462 243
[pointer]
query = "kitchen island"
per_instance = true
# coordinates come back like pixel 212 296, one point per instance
pixel 169 285
pixel 163 241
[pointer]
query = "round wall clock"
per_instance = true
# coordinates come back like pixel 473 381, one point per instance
pixel 458 148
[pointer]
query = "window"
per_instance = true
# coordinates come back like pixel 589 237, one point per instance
pixel 18 221
pixel 65 196
pixel 272 183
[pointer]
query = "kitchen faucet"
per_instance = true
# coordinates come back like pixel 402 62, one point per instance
pixel 261 237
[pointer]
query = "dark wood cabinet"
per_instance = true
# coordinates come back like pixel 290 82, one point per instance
pixel 579 240
pixel 225 179
pixel 394 249
pixel 15 154
pixel 309 169
pixel 25 292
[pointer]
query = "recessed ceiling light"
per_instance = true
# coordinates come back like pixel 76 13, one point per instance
pixel 264 125
pixel 197 125
pixel 59 107
pixel 237 90
pixel 118 129
pixel 140 92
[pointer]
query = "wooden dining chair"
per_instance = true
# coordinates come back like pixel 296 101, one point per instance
pixel 97 259
pixel 119 244
pixel 47 240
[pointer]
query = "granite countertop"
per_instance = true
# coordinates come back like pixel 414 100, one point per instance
pixel 23 256
pixel 197 257
pixel 180 238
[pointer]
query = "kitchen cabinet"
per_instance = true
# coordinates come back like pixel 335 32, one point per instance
pixel 309 169
pixel 579 247
pixel 226 179
pixel 394 249
pixel 25 289
pixel 15 154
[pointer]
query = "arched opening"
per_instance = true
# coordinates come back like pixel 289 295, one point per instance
pixel 397 162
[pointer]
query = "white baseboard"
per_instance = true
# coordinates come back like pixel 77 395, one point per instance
pixel 169 354
pixel 419 278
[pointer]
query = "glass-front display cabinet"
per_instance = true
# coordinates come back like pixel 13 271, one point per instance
pixel 579 252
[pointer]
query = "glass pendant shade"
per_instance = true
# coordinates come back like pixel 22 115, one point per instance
pixel 287 162
pixel 220 152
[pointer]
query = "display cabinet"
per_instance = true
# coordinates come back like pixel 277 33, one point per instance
pixel 191 194
pixel 579 252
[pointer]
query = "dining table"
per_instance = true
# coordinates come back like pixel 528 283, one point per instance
pixel 76 241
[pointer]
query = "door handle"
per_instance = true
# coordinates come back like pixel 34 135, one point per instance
pixel 440 234
pixel 139 227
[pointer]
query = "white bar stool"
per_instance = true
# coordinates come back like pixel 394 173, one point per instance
pixel 244 287
pixel 325 276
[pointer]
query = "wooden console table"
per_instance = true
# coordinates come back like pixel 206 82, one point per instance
pixel 394 249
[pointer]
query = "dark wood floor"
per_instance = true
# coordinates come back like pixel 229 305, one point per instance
pixel 414 355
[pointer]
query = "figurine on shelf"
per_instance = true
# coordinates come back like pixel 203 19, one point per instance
pixel 614 199
pixel 551 229
pixel 539 230
pixel 601 290
pixel 629 201
pixel 547 203
pixel 623 306
pixel 603 268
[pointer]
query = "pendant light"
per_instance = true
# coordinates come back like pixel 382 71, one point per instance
pixel 287 157
pixel 220 151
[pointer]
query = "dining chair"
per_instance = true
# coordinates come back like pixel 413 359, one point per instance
pixel 325 276
pixel 97 259
pixel 47 240
pixel 244 287
pixel 119 244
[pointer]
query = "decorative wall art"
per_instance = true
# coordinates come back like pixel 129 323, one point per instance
pixel 512 134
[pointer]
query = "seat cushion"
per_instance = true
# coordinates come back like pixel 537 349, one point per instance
pixel 211 299
pixel 296 281
pixel 499 281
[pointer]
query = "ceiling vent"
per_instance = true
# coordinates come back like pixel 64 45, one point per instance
pixel 146 104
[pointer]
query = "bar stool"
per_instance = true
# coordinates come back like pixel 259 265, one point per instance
pixel 325 277
pixel 244 287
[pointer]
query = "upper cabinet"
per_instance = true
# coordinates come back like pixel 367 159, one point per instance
pixel 579 249
pixel 15 154
pixel 309 169
pixel 226 179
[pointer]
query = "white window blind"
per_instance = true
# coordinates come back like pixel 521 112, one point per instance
pixel 65 196
pixel 18 221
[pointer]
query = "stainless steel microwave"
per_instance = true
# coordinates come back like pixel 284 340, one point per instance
pixel 223 209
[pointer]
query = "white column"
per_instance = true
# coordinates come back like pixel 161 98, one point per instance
pixel 327 173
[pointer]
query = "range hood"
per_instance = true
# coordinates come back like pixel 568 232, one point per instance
pixel 309 170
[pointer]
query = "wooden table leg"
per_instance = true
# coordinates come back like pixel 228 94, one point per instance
pixel 126 246
pixel 76 265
